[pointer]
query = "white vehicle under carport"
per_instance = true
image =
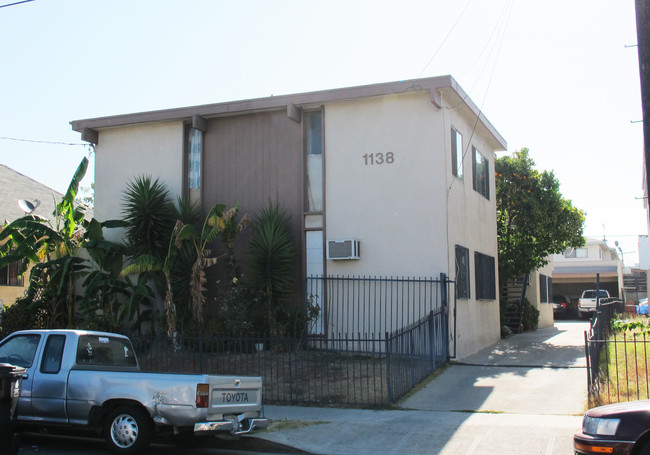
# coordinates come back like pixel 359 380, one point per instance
pixel 590 299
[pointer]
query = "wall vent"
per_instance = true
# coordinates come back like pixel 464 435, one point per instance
pixel 343 249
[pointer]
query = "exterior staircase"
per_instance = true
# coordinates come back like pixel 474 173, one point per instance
pixel 512 294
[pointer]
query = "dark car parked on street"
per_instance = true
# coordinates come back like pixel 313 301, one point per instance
pixel 618 429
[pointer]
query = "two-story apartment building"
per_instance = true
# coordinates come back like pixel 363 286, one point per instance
pixel 402 171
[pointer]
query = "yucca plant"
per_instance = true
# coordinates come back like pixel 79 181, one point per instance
pixel 271 260
pixel 149 217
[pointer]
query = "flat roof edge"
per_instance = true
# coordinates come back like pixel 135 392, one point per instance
pixel 282 101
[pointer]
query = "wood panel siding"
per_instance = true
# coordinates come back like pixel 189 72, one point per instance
pixel 254 160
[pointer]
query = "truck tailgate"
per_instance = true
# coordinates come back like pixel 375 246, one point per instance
pixel 234 394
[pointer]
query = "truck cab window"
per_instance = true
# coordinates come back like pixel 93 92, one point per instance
pixel 51 362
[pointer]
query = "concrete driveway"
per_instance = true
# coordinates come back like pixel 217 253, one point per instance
pixel 525 393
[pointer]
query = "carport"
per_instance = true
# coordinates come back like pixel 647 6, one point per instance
pixel 571 281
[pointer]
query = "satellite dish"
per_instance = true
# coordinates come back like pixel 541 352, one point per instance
pixel 27 206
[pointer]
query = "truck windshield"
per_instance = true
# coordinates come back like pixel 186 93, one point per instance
pixel 106 351
pixel 19 350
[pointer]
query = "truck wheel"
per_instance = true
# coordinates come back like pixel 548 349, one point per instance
pixel 127 430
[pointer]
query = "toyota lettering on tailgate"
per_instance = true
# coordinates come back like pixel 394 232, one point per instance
pixel 234 397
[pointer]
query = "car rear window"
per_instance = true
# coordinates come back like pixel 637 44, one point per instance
pixel 592 294
pixel 105 351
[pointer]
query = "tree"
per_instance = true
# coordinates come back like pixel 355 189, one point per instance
pixel 534 220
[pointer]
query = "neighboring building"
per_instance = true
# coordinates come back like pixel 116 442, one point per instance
pixel 577 269
pixel 539 292
pixel 404 168
pixel 15 186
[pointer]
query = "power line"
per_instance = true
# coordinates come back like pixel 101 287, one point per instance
pixel 16 3
pixel 444 40
pixel 41 142
pixel 506 15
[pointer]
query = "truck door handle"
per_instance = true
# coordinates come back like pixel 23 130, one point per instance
pixel 26 376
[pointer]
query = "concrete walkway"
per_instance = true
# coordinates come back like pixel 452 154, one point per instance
pixel 526 393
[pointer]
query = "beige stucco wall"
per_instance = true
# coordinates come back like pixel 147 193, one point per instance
pixel 125 153
pixel 410 214
pixel 472 224
pixel 392 208
pixel 533 293
pixel 9 294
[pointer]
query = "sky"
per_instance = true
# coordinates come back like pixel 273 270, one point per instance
pixel 558 77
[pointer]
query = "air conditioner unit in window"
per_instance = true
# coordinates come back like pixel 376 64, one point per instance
pixel 343 249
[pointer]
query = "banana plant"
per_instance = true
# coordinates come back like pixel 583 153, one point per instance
pixel 149 263
pixel 51 246
pixel 216 224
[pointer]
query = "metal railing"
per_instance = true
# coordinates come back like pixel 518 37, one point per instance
pixel 373 305
pixel 307 370
pixel 616 362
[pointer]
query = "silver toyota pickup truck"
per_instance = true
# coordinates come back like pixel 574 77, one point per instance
pixel 91 380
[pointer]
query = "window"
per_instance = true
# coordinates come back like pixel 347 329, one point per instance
pixel 313 124
pixel 9 275
pixel 481 170
pixel 576 253
pixel 456 153
pixel 194 159
pixel 105 350
pixel 545 288
pixel 52 355
pixel 19 350
pixel 485 277
pixel 462 272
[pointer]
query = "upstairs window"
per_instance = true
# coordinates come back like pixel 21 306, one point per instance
pixel 576 253
pixel 456 153
pixel 194 159
pixel 481 171
pixel 313 134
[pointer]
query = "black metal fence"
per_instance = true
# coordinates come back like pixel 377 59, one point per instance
pixel 362 369
pixel 617 363
pixel 373 305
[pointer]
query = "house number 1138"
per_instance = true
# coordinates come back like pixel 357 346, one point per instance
pixel 378 158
